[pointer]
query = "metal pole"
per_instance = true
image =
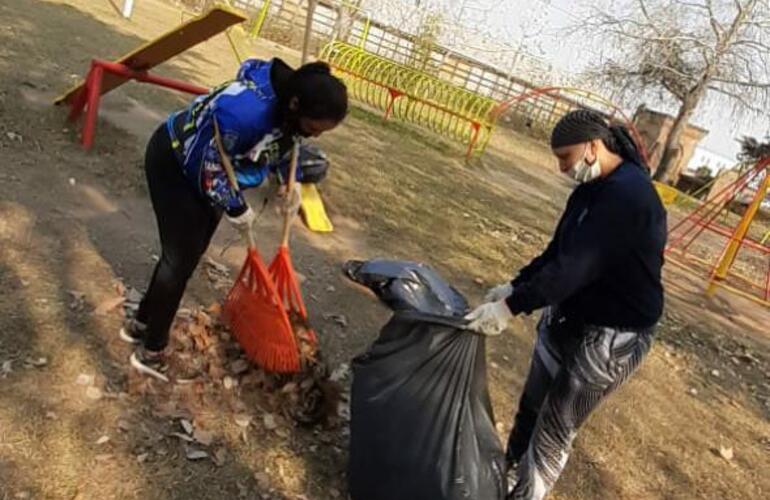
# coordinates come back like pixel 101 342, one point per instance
pixel 731 251
pixel 308 30
pixel 128 8
pixel 257 29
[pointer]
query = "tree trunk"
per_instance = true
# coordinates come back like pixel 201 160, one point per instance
pixel 671 150
pixel 346 17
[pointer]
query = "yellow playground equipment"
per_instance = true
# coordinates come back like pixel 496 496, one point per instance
pixel 313 210
pixel 413 96
pixel 742 264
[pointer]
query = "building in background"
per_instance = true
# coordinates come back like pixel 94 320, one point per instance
pixel 715 162
pixel 654 128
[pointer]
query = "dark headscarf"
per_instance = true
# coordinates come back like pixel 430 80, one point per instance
pixel 583 125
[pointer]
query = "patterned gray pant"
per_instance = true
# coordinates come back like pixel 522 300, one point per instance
pixel 571 372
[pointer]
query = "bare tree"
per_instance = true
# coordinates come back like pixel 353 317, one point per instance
pixel 684 51
pixel 347 12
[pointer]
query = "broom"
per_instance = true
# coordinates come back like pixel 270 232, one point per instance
pixel 253 309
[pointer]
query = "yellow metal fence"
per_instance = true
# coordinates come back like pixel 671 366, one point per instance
pixel 413 96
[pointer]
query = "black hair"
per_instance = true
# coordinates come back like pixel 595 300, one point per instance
pixel 320 95
pixel 583 125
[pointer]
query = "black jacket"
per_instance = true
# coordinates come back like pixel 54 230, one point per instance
pixel 603 266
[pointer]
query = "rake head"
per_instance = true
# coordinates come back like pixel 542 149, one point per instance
pixel 257 317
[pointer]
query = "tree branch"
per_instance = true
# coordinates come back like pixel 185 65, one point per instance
pixel 739 83
pixel 741 99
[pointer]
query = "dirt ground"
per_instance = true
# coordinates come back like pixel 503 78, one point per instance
pixel 76 226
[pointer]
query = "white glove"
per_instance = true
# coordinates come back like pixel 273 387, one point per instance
pixel 490 318
pixel 499 292
pixel 245 221
pixel 292 201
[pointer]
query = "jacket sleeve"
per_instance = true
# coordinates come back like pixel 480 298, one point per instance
pixel 214 181
pixel 239 120
pixel 572 267
pixel 526 272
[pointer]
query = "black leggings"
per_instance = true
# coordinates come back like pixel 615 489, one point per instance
pixel 186 223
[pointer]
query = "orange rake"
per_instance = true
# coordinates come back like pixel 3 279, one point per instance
pixel 254 309
pixel 281 269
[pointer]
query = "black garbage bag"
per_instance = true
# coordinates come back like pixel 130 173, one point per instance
pixel 408 286
pixel 422 426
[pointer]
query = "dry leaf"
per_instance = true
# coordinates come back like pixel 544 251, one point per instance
pixel 51 415
pixel 203 437
pixel 186 425
pixel 94 393
pixel 134 295
pixel 124 425
pixel 216 372
pixel 39 362
pixel 242 420
pixel 269 421
pixel 108 305
pixel 340 319
pixel 183 437
pixel 726 453
pixel 220 456
pixel 220 268
pixel 239 366
pixel 263 480
pixel 340 373
pixel 196 454
pixel 103 440
pixel 142 458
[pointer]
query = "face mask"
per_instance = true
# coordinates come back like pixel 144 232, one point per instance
pixel 584 172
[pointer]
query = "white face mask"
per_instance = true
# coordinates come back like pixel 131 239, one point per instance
pixel 584 172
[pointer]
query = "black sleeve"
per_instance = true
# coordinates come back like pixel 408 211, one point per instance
pixel 526 272
pixel 600 236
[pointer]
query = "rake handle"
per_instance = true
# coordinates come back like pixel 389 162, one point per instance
pixel 230 171
pixel 288 218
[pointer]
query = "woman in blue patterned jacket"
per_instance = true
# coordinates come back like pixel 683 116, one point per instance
pixel 259 115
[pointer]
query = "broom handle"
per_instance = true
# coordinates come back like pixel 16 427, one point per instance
pixel 230 171
pixel 288 218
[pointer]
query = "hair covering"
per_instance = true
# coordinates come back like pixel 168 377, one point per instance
pixel 583 125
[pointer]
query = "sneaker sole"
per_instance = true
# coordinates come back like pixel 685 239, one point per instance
pixel 146 370
pixel 125 337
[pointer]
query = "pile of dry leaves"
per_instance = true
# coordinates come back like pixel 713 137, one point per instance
pixel 205 358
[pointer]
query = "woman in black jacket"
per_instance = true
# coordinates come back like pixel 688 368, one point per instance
pixel 599 283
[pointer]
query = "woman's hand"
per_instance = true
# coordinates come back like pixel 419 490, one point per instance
pixel 245 221
pixel 490 318
pixel 292 201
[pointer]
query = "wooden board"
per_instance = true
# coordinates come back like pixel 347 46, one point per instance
pixel 163 48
